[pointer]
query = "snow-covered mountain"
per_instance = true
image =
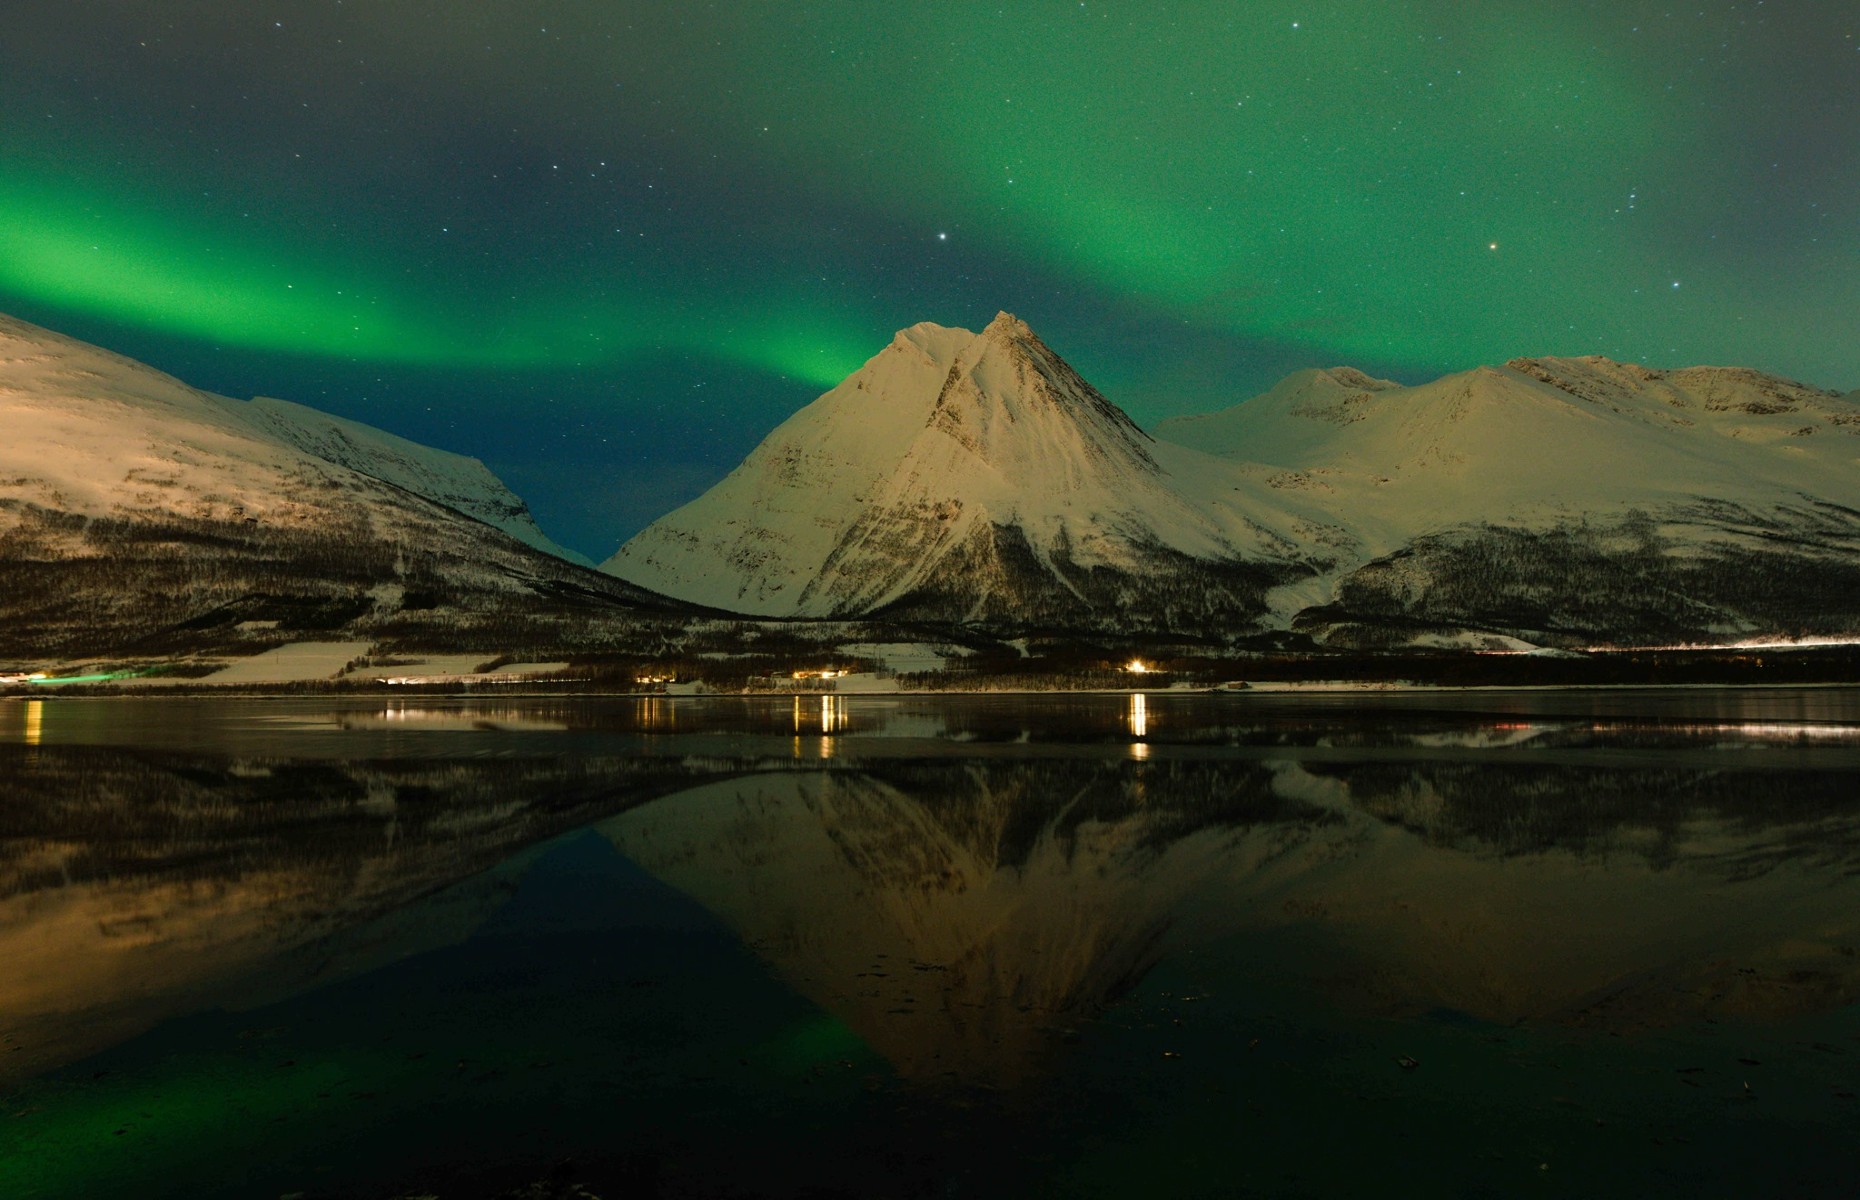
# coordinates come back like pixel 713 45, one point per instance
pixel 1568 501
pixel 974 476
pixel 460 483
pixel 1335 396
pixel 1537 435
pixel 134 507
pixel 61 394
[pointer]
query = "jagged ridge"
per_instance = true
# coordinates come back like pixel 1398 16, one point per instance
pixel 962 476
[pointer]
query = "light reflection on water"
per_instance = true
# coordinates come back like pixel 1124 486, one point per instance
pixel 22 722
pixel 1016 897
pixel 1761 730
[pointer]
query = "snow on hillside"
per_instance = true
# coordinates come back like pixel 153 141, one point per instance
pixel 92 432
pixel 141 516
pixel 1571 500
pixel 953 461
pixel 1538 440
pixel 1336 396
pixel 460 483
pixel 1565 501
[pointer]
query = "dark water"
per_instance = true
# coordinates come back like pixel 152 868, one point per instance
pixel 1481 944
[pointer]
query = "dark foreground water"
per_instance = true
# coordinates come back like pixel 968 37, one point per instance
pixel 1493 944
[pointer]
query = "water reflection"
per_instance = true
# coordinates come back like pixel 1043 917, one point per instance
pixel 134 886
pixel 964 918
pixel 22 722
pixel 506 718
pixel 824 714
pixel 965 902
pixel 1757 730
pixel 657 714
pixel 1824 723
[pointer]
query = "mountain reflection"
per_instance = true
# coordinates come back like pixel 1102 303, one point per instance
pixel 134 886
pixel 956 915
pixel 966 896
pixel 965 917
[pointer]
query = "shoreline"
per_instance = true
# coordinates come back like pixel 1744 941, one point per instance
pixel 183 691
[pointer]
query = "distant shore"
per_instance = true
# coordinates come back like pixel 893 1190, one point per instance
pixel 845 667
pixel 334 691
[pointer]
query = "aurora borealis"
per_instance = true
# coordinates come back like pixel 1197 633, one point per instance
pixel 605 246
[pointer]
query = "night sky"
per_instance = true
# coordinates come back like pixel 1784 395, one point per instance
pixel 605 246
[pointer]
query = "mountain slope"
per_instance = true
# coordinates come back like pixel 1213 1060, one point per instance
pixel 460 483
pixel 138 514
pixel 963 476
pixel 1572 500
pixel 1336 396
pixel 1543 433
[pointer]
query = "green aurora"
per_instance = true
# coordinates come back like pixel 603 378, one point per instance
pixel 1187 199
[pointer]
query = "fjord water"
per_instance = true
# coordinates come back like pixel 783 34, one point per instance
pixel 1462 944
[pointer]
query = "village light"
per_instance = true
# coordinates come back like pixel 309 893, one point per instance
pixel 1137 666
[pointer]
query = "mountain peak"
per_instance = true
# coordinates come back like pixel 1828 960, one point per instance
pixel 946 345
pixel 1008 327
pixel 1009 371
pixel 1350 377
pixel 955 472
pixel 938 343
pixel 1739 390
pixel 1320 396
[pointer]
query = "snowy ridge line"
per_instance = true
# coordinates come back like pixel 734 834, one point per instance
pixel 93 432
pixel 975 477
